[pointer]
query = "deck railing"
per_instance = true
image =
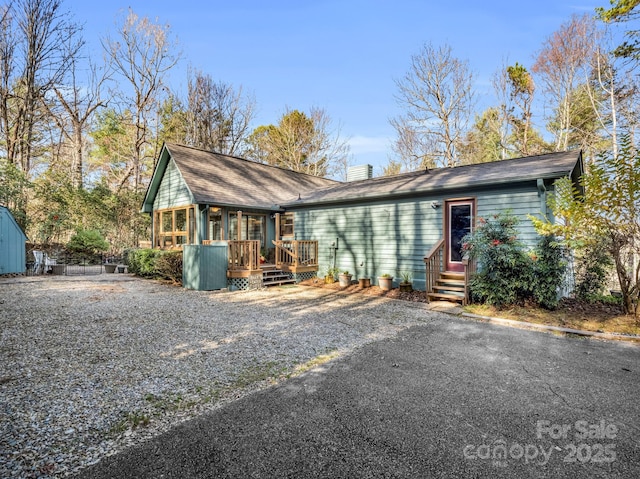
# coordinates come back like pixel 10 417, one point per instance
pixel 434 262
pixel 244 255
pixel 470 266
pixel 296 253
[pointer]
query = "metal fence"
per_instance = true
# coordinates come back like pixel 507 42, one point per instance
pixel 75 266
pixel 83 269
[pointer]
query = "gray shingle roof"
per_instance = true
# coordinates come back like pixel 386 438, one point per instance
pixel 214 178
pixel 548 166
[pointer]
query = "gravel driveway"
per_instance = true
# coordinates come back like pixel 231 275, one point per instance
pixel 91 365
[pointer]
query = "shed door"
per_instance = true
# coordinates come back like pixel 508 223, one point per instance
pixel 458 222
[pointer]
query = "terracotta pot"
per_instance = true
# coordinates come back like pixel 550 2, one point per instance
pixel 364 282
pixel 385 282
pixel 345 280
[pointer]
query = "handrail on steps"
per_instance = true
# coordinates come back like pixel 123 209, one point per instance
pixel 296 252
pixel 434 262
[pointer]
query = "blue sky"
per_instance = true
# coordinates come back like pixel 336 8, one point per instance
pixel 340 55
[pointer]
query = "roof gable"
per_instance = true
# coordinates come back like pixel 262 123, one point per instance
pixel 217 179
pixel 4 212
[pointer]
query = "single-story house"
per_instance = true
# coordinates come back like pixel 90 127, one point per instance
pixel 12 244
pixel 411 222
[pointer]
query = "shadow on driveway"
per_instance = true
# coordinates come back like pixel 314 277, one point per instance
pixel 448 399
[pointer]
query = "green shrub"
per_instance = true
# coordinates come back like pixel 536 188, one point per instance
pixel 169 266
pixel 591 270
pixel 604 299
pixel 142 262
pixel 87 242
pixel 548 271
pixel 155 263
pixel 507 274
pixel 504 269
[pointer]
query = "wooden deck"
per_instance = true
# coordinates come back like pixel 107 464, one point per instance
pixel 296 256
pixel 293 256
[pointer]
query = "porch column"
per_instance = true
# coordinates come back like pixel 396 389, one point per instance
pixel 239 225
pixel 277 232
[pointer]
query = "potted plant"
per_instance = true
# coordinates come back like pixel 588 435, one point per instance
pixel 385 282
pixel 330 276
pixel 405 283
pixel 345 279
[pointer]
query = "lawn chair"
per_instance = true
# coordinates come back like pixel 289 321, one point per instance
pixel 39 264
pixel 48 262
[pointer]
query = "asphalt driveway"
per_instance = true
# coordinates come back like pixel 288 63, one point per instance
pixel 453 398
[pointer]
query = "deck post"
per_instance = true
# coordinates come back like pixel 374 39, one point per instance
pixel 239 228
pixel 277 232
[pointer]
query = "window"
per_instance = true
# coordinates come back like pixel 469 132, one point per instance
pixel 174 227
pixel 286 224
pixel 252 227
pixel 216 231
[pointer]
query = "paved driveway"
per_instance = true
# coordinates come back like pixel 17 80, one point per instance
pixel 452 398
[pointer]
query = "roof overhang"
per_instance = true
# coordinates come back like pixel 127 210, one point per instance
pixel 425 191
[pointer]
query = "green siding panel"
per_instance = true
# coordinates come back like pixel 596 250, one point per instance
pixel 12 245
pixel 205 267
pixel 172 191
pixel 392 237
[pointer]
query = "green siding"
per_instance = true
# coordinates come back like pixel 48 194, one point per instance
pixel 205 267
pixel 391 237
pixel 12 244
pixel 521 203
pixel 172 191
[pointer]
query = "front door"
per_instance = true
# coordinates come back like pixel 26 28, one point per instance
pixel 458 222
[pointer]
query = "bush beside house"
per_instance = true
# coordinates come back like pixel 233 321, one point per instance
pixel 508 273
pixel 155 263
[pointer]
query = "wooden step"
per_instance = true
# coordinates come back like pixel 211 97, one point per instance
pixel 452 282
pixel 275 277
pixel 274 272
pixel 452 275
pixel 445 297
pixel 450 286
pixel 439 287
pixel 278 282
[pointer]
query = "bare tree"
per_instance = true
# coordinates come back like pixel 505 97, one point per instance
pixel 37 44
pixel 75 106
pixel 142 54
pixel 561 64
pixel 438 96
pixel 611 93
pixel 218 117
pixel 414 150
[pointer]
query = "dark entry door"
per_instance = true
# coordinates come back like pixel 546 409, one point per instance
pixel 458 222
